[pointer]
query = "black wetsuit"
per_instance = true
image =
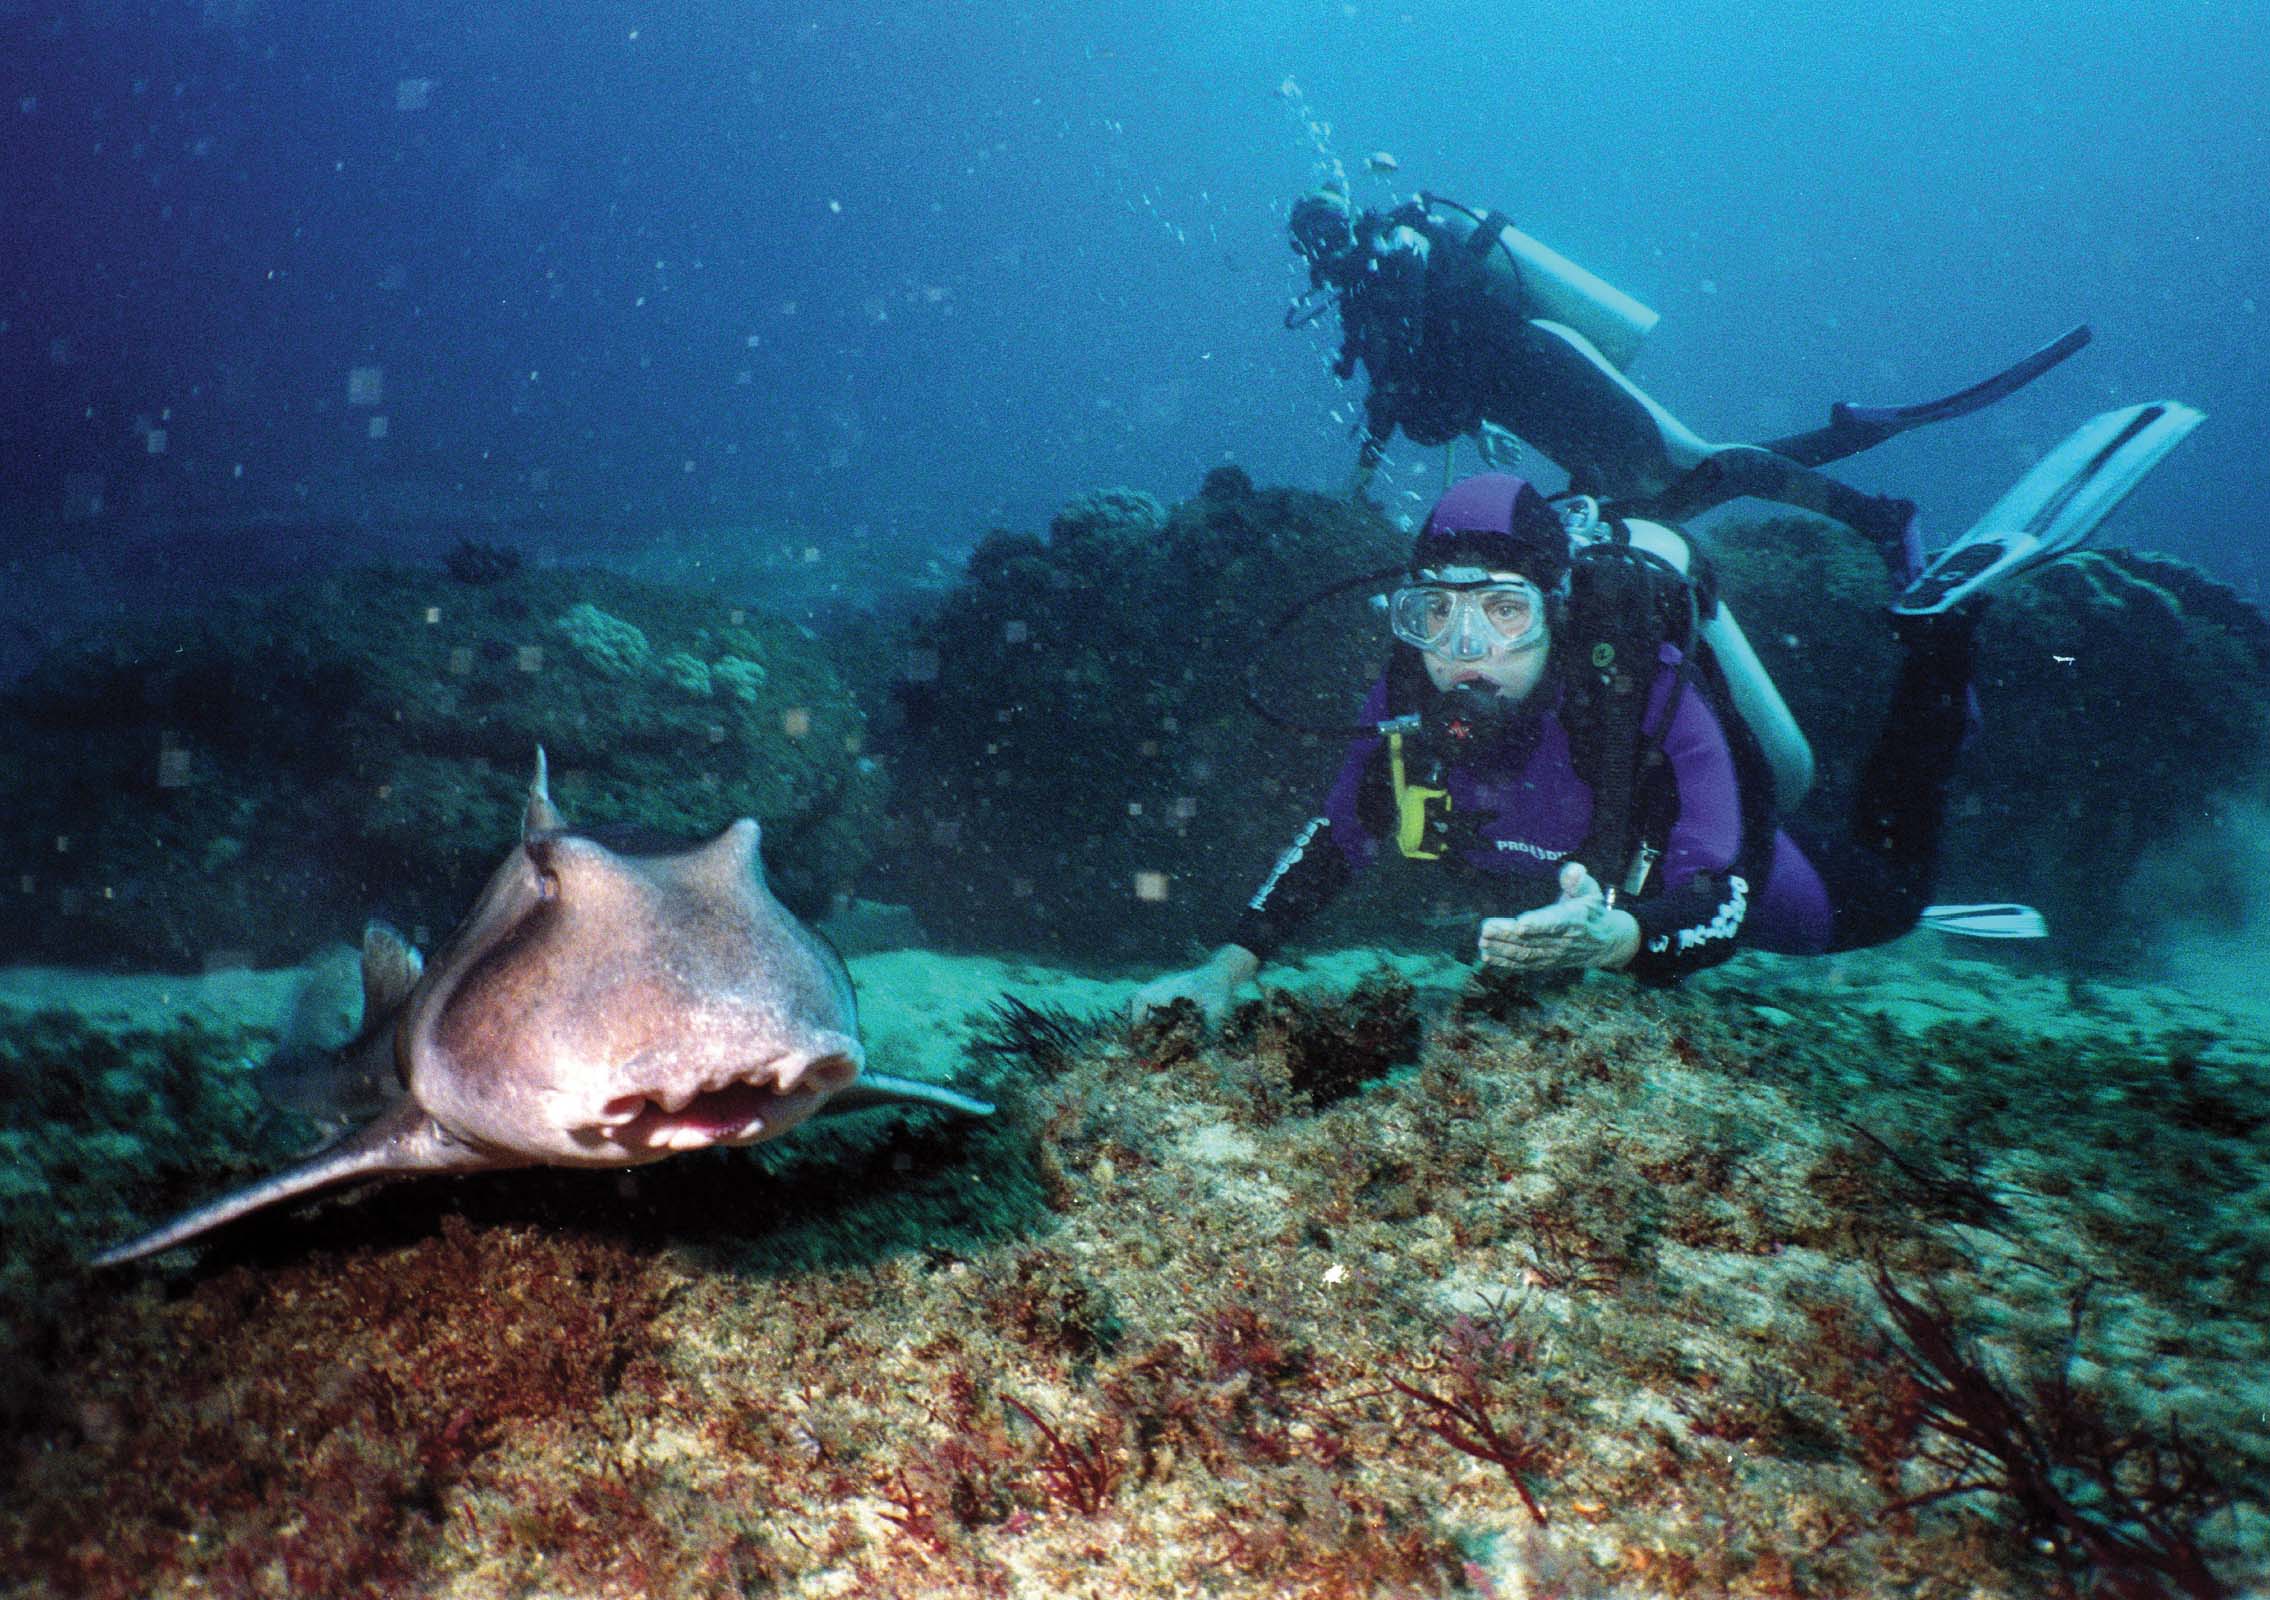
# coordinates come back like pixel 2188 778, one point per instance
pixel 1446 345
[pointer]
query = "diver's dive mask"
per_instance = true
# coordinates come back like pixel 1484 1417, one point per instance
pixel 1464 613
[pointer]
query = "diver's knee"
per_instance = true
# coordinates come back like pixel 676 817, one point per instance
pixel 1747 467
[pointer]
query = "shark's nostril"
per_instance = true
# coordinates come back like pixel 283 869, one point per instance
pixel 831 1073
pixel 622 1109
pixel 826 1073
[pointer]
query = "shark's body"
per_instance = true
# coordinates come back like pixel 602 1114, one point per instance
pixel 599 1007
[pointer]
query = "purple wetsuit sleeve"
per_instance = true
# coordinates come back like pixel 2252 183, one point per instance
pixel 1710 862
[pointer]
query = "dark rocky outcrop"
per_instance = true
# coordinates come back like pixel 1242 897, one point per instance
pixel 1077 771
pixel 254 780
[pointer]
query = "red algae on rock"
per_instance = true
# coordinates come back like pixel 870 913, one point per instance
pixel 1562 1294
pixel 316 1420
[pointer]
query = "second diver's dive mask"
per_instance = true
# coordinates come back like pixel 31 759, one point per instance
pixel 1323 230
pixel 1464 613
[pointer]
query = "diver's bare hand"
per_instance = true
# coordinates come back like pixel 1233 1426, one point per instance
pixel 1212 985
pixel 1578 930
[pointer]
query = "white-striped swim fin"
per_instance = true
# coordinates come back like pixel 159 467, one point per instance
pixel 1997 919
pixel 2055 507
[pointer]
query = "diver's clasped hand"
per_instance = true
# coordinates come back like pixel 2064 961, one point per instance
pixel 1578 930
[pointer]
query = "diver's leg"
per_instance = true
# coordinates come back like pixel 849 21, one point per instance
pixel 1558 392
pixel 1854 428
pixel 1899 811
pixel 1562 395
pixel 1745 469
pixel 1551 388
pixel 1878 877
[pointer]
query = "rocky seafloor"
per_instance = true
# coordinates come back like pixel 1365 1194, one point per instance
pixel 1893 1274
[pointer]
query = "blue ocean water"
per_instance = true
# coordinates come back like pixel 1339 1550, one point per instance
pixel 894 275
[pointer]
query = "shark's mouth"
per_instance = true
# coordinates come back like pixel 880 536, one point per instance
pixel 739 1111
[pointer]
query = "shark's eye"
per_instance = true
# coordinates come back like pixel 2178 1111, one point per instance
pixel 540 854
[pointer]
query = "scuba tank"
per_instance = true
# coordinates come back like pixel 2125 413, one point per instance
pixel 1545 285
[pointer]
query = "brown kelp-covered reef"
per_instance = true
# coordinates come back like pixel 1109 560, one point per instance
pixel 1402 1286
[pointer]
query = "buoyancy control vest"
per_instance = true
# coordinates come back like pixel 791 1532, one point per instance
pixel 1532 280
pixel 1424 732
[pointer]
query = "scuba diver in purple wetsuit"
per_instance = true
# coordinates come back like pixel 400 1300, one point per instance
pixel 1571 715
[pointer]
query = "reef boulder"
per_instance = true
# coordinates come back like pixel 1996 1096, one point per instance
pixel 251 782
pixel 1079 771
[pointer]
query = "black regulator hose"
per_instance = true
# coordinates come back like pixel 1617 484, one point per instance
pixel 1307 307
pixel 1276 631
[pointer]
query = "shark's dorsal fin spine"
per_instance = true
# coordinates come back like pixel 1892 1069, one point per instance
pixel 732 854
pixel 542 816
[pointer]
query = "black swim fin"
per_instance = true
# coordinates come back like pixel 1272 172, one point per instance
pixel 1853 429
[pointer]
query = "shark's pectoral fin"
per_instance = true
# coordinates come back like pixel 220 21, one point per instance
pixel 400 1143
pixel 881 1089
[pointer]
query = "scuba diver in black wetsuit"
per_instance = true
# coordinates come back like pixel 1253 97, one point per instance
pixel 1460 320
